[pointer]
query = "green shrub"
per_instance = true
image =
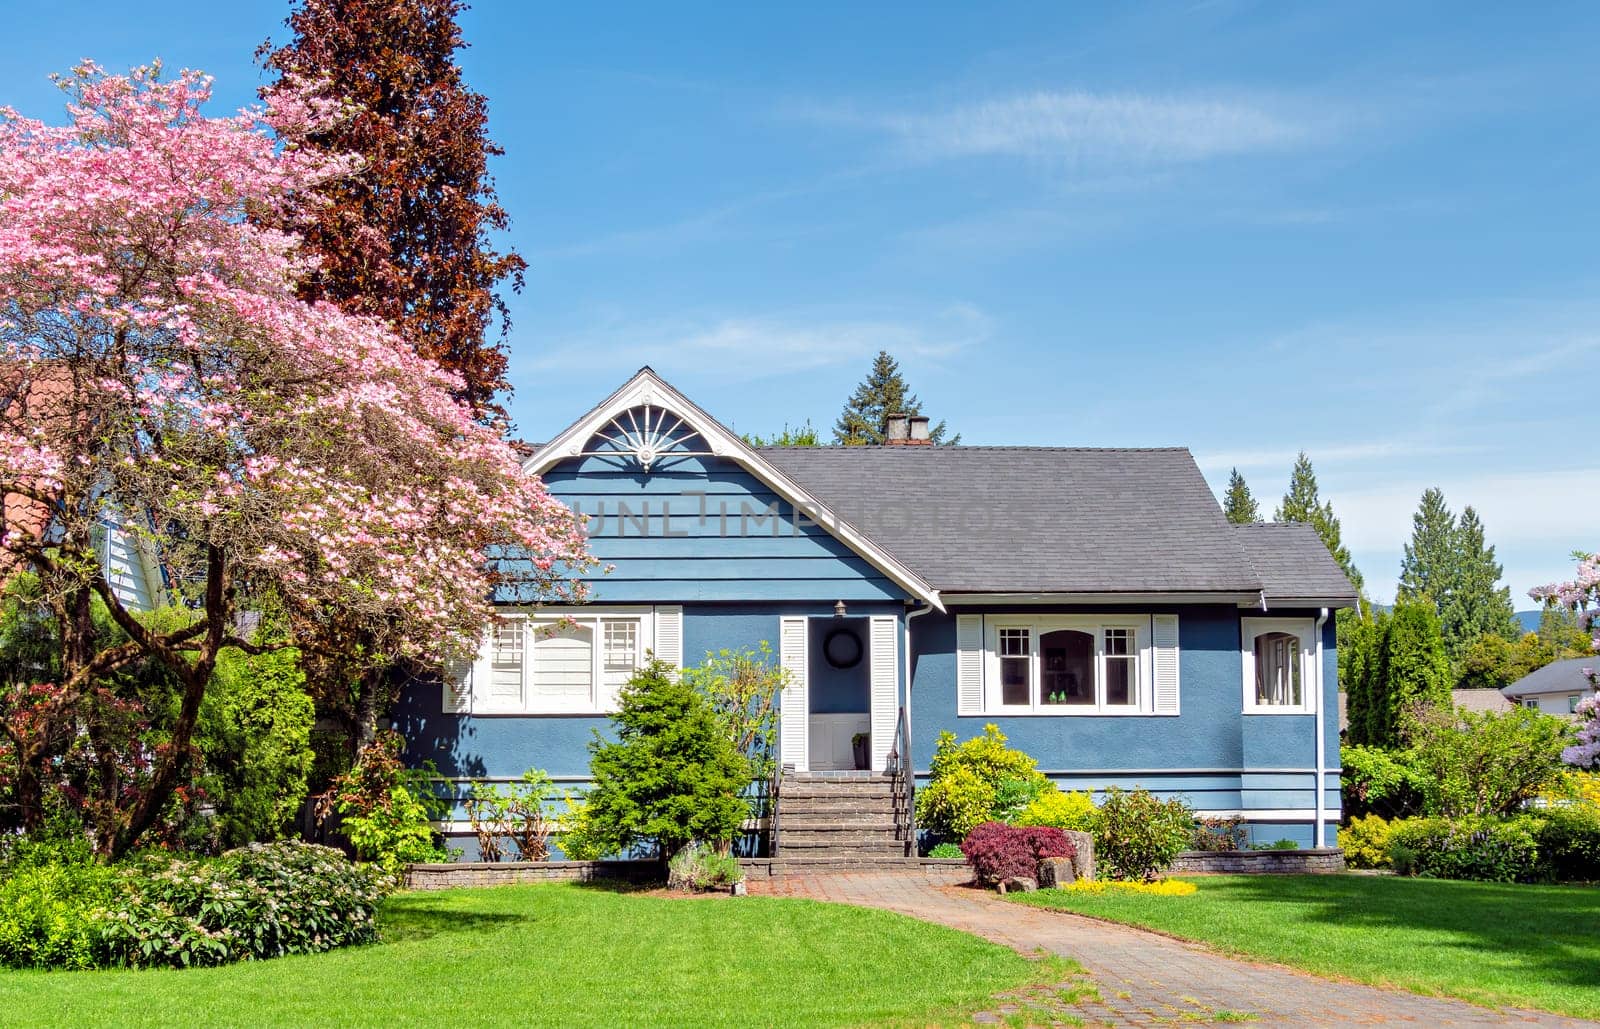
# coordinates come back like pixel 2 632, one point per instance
pixel 387 810
pixel 1484 763
pixel 1219 835
pixel 1365 841
pixel 579 839
pixel 512 816
pixel 255 734
pixel 946 850
pixel 1058 809
pixel 1140 835
pixel 1284 844
pixel 980 780
pixel 672 776
pixel 1569 843
pixel 1379 781
pixel 699 867
pixel 48 915
pixel 1485 849
pixel 260 901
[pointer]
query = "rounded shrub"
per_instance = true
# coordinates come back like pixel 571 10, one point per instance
pixel 1365 841
pixel 1485 849
pixel 1140 835
pixel 976 781
pixel 1062 810
pixel 998 852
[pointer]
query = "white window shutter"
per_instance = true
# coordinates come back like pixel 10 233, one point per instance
pixel 1164 659
pixel 884 679
pixel 969 664
pixel 460 674
pixel 669 635
pixel 794 709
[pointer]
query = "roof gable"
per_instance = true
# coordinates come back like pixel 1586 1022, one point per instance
pixel 648 421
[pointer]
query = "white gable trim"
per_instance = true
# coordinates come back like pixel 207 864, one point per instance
pixel 648 388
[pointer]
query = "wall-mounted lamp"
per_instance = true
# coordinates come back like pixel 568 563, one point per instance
pixel 838 609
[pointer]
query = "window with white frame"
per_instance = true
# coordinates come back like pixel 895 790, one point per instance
pixel 560 665
pixel 1279 665
pixel 1069 665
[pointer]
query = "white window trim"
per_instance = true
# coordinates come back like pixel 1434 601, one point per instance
pixel 1305 630
pixel 1095 626
pixel 601 700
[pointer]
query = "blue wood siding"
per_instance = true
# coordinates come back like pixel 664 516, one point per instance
pixel 704 529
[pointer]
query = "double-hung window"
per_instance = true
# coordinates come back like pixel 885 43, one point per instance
pixel 1279 657
pixel 551 664
pixel 1069 665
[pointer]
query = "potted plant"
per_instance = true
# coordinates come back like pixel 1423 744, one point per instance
pixel 861 747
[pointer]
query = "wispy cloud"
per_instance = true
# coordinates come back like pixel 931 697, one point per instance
pixel 740 348
pixel 1085 128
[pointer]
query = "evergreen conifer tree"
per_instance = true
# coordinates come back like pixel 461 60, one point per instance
pixel 1477 605
pixel 1238 504
pixel 1303 504
pixel 882 393
pixel 1412 668
pixel 1428 567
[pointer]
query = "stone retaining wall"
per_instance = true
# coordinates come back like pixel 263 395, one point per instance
pixel 507 873
pixel 1259 862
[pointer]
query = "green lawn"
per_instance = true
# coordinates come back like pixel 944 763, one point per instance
pixel 1530 946
pixel 565 955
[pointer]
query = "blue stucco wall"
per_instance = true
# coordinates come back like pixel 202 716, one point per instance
pixel 1212 755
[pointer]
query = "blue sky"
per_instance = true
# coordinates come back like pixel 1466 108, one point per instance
pixel 1363 230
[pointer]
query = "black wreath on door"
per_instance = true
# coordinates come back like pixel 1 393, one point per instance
pixel 842 648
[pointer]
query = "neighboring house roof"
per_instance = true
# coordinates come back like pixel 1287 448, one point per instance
pixel 1293 561
pixel 1556 677
pixel 1471 700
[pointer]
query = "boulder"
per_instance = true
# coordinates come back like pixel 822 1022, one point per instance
pixel 1056 871
pixel 1021 883
pixel 1083 844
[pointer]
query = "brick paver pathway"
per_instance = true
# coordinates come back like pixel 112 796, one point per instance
pixel 1144 978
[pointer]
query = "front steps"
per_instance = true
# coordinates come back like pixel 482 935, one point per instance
pixel 839 821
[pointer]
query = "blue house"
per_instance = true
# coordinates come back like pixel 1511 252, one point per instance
pixel 1093 603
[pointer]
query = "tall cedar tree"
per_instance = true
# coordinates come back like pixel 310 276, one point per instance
pixel 1478 605
pixel 1411 668
pixel 1303 504
pixel 1428 566
pixel 882 393
pixel 1449 563
pixel 407 238
pixel 1239 505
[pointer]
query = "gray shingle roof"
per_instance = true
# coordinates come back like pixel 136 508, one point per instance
pixel 1034 519
pixel 1556 677
pixel 1293 561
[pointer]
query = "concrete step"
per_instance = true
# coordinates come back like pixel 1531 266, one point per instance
pixel 844 826
pixel 813 805
pixel 819 791
pixel 825 841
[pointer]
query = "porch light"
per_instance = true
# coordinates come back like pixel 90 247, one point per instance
pixel 838 609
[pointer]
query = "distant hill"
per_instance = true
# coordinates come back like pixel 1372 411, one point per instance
pixel 1529 620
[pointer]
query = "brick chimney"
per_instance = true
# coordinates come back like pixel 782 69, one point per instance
pixel 904 431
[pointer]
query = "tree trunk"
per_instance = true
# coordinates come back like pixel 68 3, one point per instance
pixel 368 704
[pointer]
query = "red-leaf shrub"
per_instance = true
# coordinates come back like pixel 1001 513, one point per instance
pixel 998 852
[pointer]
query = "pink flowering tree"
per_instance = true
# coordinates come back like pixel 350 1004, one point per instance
pixel 1582 594
pixel 158 371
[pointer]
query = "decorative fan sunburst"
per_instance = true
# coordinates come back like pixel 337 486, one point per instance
pixel 648 434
